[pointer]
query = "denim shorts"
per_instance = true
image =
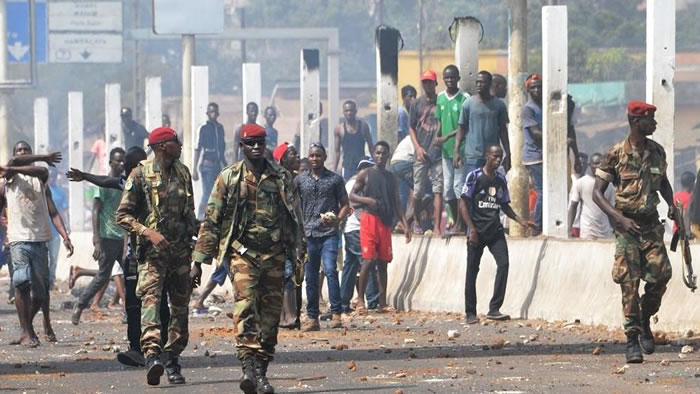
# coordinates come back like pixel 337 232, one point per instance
pixel 30 261
pixel 220 274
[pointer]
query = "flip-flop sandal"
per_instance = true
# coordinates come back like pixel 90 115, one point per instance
pixel 386 309
pixel 71 280
pixel 360 311
pixel 51 337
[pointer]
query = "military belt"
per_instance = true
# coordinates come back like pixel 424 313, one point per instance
pixel 243 250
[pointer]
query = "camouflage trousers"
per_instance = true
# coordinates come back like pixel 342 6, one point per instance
pixel 171 274
pixel 641 257
pixel 258 290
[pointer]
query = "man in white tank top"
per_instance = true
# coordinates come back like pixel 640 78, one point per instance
pixel 30 208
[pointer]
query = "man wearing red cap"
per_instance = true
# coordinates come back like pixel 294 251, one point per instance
pixel 424 130
pixel 637 167
pixel 158 205
pixel 252 223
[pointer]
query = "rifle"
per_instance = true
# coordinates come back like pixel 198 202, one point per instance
pixel 681 236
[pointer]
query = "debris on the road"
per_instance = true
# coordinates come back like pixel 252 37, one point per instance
pixel 689 334
pixel 452 334
pixel 498 344
pixel 621 370
pixel 665 363
pixel 533 337
pixel 471 371
pixel 81 351
pixel 687 349
pixel 352 366
pixel 340 346
pixel 596 351
pixel 409 340
pixel 400 375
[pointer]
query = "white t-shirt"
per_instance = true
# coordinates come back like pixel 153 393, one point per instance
pixel 404 151
pixel 27 209
pixel 352 223
pixel 594 222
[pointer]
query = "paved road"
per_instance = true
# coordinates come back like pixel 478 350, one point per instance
pixel 389 353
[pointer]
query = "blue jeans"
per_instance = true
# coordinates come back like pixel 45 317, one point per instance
pixel 535 171
pixel 322 249
pixel 351 265
pixel 54 248
pixel 208 175
pixel 404 171
pixel 452 179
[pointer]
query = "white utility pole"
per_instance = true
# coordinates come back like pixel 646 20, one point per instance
pixel 5 145
pixel 200 99
pixel 333 90
pixel 154 103
pixel 386 41
pixel 517 96
pixel 76 193
pixel 41 125
pixel 113 123
pixel 467 52
pixel 188 60
pixel 310 92
pixel 252 88
pixel 661 65
pixel 554 119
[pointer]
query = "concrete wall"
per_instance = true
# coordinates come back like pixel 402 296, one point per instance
pixel 549 279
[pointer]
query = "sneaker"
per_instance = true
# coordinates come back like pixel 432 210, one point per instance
pixel 311 325
pixel 472 319
pixel 337 321
pixel 497 315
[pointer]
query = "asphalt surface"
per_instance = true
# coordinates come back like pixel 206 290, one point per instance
pixel 403 352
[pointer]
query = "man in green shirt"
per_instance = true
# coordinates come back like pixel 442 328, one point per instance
pixel 449 106
pixel 108 237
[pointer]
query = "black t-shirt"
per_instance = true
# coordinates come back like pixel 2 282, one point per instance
pixel 422 120
pixel 486 195
pixel 380 186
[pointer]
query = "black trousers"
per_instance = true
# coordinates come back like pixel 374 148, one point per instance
pixel 133 311
pixel 499 249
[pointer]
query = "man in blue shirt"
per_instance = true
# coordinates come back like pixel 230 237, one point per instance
pixel 532 148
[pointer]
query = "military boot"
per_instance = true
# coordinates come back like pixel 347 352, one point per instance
pixel 634 352
pixel 264 386
pixel 154 369
pixel 248 379
pixel 172 368
pixel 646 338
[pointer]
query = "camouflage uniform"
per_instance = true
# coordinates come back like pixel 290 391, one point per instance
pixel 166 206
pixel 638 179
pixel 255 224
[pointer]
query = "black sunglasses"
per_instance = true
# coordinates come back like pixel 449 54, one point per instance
pixel 252 141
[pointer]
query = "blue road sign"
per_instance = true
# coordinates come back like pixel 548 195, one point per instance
pixel 18 31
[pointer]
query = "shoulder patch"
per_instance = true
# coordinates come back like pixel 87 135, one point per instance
pixel 129 184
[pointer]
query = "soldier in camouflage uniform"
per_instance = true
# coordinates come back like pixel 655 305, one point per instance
pixel 253 223
pixel 157 205
pixel 637 167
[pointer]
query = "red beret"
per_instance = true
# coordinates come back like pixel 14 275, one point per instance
pixel 532 78
pixel 252 130
pixel 428 75
pixel 161 134
pixel 640 108
pixel 279 151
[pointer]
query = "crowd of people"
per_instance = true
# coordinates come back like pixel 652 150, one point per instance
pixel 272 221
